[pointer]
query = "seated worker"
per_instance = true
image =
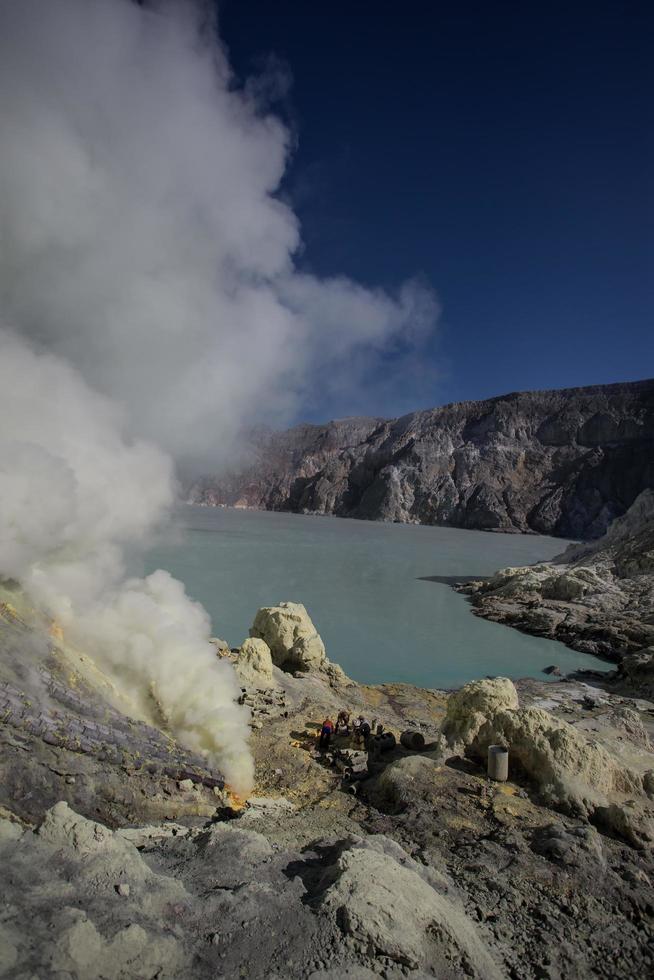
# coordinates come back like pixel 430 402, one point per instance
pixel 362 730
pixel 326 733
pixel 343 722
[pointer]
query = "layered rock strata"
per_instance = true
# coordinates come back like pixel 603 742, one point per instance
pixel 554 462
pixel 597 598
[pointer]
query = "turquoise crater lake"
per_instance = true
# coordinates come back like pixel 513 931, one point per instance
pixel 372 590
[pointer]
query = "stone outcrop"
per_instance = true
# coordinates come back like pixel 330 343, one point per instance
pixel 292 638
pixel 555 462
pixel 145 867
pixel 90 928
pixel 636 672
pixel 178 909
pixel 469 708
pixel 568 768
pixel 571 770
pixel 405 779
pixel 388 902
pixel 254 665
pixel 597 597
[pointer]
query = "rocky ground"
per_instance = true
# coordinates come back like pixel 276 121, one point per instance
pixel 597 597
pixel 561 462
pixel 122 855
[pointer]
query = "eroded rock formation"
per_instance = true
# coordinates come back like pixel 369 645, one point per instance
pixel 597 597
pixel 292 638
pixel 555 462
pixel 123 857
pixel 254 664
pixel 570 769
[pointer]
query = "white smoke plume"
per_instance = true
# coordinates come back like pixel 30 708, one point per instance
pixel 141 236
pixel 74 490
pixel 147 275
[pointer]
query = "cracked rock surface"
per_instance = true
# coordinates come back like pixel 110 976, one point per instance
pixel 423 869
pixel 597 598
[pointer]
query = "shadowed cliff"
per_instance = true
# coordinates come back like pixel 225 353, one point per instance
pixel 552 462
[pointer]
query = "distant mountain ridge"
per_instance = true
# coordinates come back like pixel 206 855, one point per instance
pixel 563 462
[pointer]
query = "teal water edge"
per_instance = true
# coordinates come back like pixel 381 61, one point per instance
pixel 379 594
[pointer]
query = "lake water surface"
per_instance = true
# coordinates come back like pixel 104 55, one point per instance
pixel 374 591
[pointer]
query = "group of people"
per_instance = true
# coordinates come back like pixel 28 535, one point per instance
pixel 361 729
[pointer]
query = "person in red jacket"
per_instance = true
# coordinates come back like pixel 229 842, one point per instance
pixel 326 733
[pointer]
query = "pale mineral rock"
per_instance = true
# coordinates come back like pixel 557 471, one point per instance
pixel 400 780
pixel 291 636
pixel 382 899
pixel 570 770
pixel 254 664
pixel 469 708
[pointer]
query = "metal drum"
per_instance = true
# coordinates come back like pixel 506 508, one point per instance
pixel 413 740
pixel 498 763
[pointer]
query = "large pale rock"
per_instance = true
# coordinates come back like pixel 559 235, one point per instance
pixel 574 584
pixel 472 706
pixel 63 826
pixel 569 769
pixel 406 781
pixel 80 950
pixel 289 632
pixel 628 820
pixel 254 664
pixel 107 856
pixel 382 900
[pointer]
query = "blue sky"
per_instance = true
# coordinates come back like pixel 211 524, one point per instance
pixel 502 151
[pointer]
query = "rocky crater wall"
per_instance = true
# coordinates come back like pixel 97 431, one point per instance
pixel 553 462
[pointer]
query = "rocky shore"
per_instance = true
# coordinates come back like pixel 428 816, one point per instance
pixel 124 856
pixel 561 462
pixel 597 597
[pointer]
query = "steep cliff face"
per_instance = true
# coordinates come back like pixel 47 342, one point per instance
pixel 555 462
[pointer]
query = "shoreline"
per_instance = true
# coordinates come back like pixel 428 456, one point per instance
pixel 381 615
pixel 512 531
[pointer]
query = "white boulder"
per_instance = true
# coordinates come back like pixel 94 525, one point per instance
pixel 291 636
pixel 569 769
pixel 386 902
pixel 472 706
pixel 254 664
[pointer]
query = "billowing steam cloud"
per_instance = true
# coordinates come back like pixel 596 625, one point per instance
pixel 73 492
pixel 142 249
pixel 140 235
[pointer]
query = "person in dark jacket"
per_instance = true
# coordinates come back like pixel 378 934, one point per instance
pixel 343 722
pixel 362 731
